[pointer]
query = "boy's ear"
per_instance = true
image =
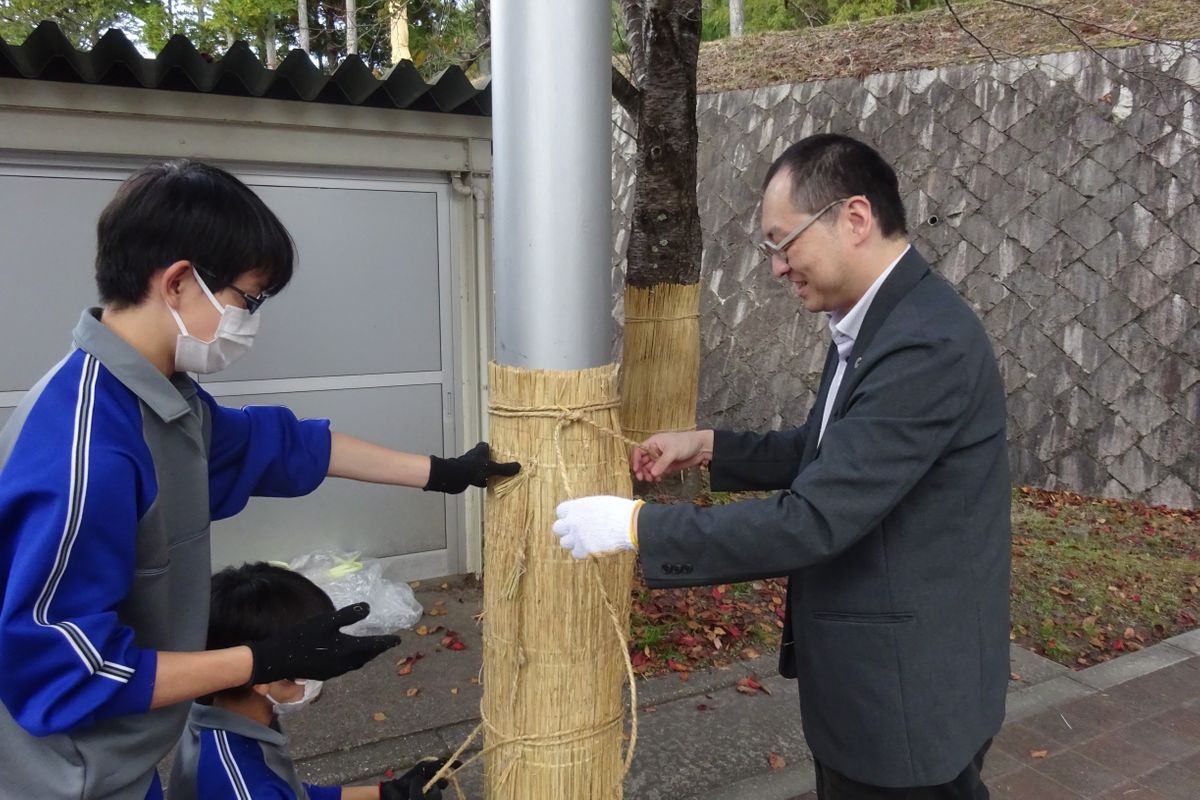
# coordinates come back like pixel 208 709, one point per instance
pixel 170 282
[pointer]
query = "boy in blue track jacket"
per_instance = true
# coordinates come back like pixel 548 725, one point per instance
pixel 111 470
pixel 234 747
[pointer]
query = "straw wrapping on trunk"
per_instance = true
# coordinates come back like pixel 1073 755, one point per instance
pixel 555 629
pixel 661 359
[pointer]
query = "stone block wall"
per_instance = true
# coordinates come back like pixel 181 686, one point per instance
pixel 1058 194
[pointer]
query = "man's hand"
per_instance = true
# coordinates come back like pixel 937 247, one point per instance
pixel 666 453
pixel 472 468
pixel 408 786
pixel 316 649
pixel 597 525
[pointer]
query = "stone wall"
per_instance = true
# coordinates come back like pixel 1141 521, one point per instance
pixel 1058 194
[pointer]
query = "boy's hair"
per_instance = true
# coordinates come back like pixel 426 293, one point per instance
pixel 254 601
pixel 187 211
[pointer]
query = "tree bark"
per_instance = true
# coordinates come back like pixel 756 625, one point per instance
pixel 665 242
pixel 302 18
pixel 634 12
pixel 398 29
pixel 269 47
pixel 351 27
pixel 737 17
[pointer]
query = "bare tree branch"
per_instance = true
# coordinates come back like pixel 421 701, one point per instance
pixel 626 93
pixel 991 53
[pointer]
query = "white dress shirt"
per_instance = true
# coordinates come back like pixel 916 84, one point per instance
pixel 845 330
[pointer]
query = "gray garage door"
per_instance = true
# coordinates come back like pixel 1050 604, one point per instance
pixel 363 336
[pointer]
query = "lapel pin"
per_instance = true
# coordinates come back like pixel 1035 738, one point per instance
pixel 857 361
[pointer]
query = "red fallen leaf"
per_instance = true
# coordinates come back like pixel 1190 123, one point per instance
pixel 776 761
pixel 748 685
pixel 734 631
pixel 702 707
pixel 683 676
pixel 405 667
pixel 675 665
pixel 687 641
pixel 1118 645
pixel 1137 598
pixel 456 645
pixel 638 659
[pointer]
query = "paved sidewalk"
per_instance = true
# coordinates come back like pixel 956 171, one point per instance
pixel 1126 729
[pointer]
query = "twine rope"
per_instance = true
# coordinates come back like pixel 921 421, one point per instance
pixel 565 417
pixel 678 318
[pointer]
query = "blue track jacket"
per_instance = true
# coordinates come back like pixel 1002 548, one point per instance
pixel 110 474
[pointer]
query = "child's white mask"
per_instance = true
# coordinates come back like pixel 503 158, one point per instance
pixel 232 340
pixel 312 690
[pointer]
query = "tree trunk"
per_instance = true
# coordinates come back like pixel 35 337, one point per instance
pixel 269 46
pixel 660 362
pixel 302 18
pixel 664 243
pixel 737 17
pixel 351 27
pixel 483 34
pixel 398 27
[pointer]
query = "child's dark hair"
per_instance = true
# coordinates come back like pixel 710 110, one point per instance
pixel 254 601
pixel 187 211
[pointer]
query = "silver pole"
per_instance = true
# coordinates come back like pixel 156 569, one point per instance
pixel 552 143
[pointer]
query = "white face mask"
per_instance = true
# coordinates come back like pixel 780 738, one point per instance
pixel 312 690
pixel 232 340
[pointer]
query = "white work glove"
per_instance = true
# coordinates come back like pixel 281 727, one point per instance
pixel 597 525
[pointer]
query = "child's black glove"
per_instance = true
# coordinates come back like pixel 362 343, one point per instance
pixel 472 468
pixel 316 649
pixel 408 786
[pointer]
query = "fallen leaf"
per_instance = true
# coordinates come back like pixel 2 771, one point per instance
pixel 379 716
pixel 750 652
pixel 412 692
pixel 702 707
pixel 444 586
pixel 454 690
pixel 474 681
pixel 776 761
pixel 415 585
pixel 422 630
pixel 1014 676
pixel 1038 753
pixel 437 612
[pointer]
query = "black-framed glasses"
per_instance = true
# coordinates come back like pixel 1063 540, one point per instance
pixel 771 250
pixel 252 303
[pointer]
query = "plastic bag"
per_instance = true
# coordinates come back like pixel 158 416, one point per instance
pixel 348 578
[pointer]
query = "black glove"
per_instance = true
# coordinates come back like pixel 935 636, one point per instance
pixel 408 786
pixel 472 468
pixel 316 649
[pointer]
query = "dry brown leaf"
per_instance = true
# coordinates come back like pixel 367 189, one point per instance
pixel 454 690
pixel 776 761
pixel 379 716
pixel 1038 753
pixel 412 692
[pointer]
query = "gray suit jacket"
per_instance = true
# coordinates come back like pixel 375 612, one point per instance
pixel 894 534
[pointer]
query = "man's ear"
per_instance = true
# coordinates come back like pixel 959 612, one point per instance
pixel 860 218
pixel 172 280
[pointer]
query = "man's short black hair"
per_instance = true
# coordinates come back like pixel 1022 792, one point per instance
pixel 829 167
pixel 187 211
pixel 254 601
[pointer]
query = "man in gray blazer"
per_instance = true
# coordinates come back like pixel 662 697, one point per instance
pixel 893 520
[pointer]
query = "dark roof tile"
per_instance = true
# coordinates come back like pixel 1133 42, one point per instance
pixel 48 55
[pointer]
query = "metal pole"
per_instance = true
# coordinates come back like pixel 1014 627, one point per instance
pixel 552 142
